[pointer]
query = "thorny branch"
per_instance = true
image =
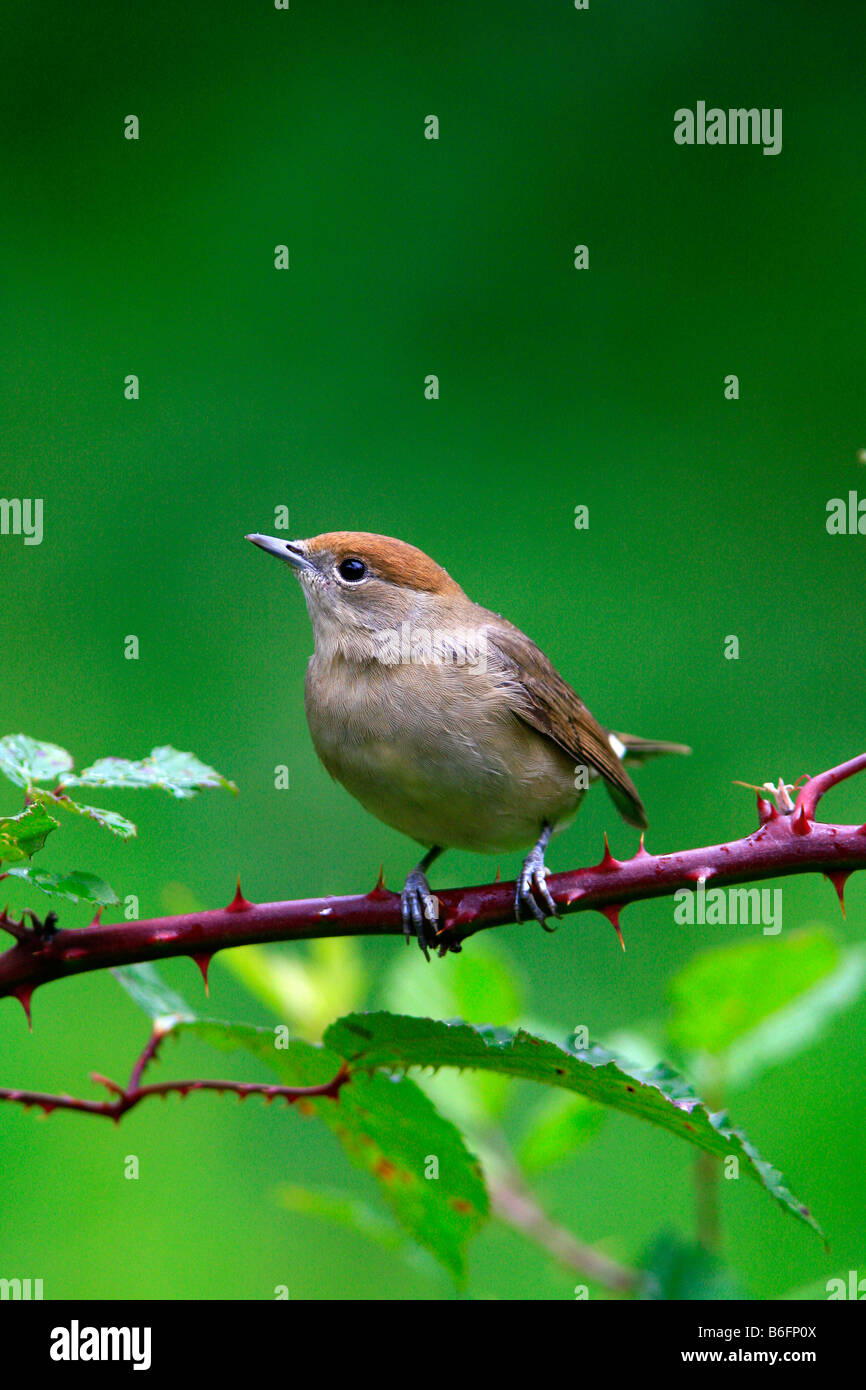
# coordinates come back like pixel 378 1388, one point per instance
pixel 512 1203
pixel 133 1093
pixel 786 842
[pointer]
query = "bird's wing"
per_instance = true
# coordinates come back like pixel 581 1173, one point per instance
pixel 541 698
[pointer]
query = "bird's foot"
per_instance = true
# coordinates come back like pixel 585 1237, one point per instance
pixel 420 911
pixel 531 891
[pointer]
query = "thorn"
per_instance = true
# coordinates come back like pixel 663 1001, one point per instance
pixel 239 902
pixel 766 810
pixel 498 878
pixel 203 962
pixel 608 862
pixel 839 878
pixel 611 912
pixel 801 823
pixel 379 890
pixel 642 852
pixel 95 922
pixel 99 1080
pixel 24 993
pixel 16 929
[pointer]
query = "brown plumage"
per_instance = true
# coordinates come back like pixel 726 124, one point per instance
pixel 393 560
pixel 466 744
pixel 549 704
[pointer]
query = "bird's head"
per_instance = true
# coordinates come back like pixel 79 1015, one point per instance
pixel 360 586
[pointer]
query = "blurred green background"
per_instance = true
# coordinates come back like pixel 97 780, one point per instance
pixel 305 389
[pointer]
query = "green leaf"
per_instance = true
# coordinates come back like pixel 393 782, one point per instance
pixel 111 820
pixel 76 886
pixel 179 773
pixel 22 835
pixel 561 1125
pixel 146 987
pixel 26 760
pixel 661 1096
pixel 725 992
pixel 391 1130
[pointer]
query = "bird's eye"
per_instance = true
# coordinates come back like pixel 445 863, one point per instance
pixel 353 570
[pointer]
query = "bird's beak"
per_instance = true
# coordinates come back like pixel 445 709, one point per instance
pixel 289 551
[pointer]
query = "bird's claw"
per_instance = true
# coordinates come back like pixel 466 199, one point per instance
pixel 420 911
pixel 530 887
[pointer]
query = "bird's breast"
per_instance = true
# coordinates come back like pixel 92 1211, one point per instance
pixel 436 752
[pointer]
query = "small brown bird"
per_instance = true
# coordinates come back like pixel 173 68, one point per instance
pixel 442 718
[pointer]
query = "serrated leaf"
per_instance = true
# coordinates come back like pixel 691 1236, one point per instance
pixel 26 760
pixel 660 1096
pixel 181 774
pixel 111 820
pixel 559 1127
pixel 390 1129
pixel 75 886
pixel 724 992
pixel 22 835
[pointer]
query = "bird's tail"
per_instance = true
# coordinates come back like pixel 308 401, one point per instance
pixel 637 750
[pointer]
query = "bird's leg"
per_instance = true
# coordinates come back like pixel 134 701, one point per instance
pixel 532 884
pixel 418 904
